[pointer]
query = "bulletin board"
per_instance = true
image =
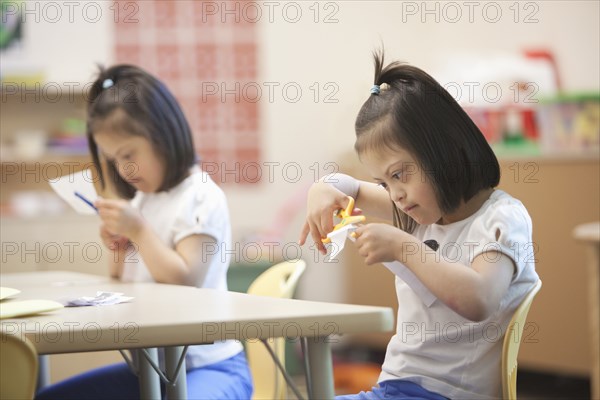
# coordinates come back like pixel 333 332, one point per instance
pixel 206 52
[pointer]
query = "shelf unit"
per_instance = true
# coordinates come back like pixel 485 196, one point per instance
pixel 33 110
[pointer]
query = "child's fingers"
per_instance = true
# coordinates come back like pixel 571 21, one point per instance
pixel 326 224
pixel 357 211
pixel 105 232
pixel 317 236
pixel 304 233
pixel 358 232
pixel 118 242
pixel 101 203
pixel 109 204
pixel 122 242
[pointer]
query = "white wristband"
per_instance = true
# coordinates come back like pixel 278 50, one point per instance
pixel 342 182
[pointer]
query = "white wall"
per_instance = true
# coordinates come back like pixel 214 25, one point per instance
pixel 313 132
pixel 306 52
pixel 63 40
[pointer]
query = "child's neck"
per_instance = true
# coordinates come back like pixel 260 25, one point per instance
pixel 468 208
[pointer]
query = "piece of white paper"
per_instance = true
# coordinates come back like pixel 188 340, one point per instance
pixel 101 299
pixel 402 272
pixel 79 182
pixel 338 240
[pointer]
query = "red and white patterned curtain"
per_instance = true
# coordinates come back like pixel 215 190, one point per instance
pixel 206 55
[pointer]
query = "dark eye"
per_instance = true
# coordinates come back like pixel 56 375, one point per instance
pixel 383 185
pixel 397 175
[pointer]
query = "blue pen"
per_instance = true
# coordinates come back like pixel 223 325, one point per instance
pixel 89 203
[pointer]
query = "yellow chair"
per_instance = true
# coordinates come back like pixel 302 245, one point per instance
pixel 278 281
pixel 18 367
pixel 512 342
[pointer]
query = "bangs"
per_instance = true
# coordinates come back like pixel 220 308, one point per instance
pixel 378 136
pixel 118 121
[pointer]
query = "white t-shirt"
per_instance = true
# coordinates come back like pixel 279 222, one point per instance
pixel 437 348
pixel 195 206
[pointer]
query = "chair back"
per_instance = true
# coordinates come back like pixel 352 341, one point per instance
pixel 512 342
pixel 18 367
pixel 278 281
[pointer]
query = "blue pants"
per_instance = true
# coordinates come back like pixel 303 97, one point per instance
pixel 228 379
pixel 396 389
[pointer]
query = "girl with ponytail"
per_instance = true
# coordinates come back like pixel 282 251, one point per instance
pixel 470 244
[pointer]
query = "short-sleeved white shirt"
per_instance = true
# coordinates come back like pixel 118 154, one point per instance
pixel 437 348
pixel 195 206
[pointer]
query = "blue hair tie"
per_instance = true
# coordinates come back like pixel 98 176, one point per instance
pixel 375 89
pixel 107 83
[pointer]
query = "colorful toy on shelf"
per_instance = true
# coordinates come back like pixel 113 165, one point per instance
pixel 570 123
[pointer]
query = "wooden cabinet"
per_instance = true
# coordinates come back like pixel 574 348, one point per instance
pixel 559 194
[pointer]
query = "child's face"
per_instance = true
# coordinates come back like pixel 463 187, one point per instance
pixel 407 184
pixel 134 158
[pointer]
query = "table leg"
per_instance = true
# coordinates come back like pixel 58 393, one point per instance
pixel 172 358
pixel 594 303
pixel 321 367
pixel 43 371
pixel 149 380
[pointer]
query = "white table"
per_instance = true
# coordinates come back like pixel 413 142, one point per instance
pixel 172 316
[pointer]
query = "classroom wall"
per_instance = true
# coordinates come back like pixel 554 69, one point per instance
pixel 324 49
pixel 339 53
pixel 305 136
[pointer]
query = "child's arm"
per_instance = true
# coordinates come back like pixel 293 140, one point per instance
pixel 186 265
pixel 325 197
pixel 118 250
pixel 183 265
pixel 474 293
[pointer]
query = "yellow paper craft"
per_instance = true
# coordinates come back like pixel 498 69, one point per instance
pixel 7 292
pixel 12 309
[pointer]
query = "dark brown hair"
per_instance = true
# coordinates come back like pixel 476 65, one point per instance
pixel 128 100
pixel 414 112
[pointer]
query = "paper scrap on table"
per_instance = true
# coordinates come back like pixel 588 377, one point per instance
pixel 338 239
pixel 79 182
pixel 402 272
pixel 101 299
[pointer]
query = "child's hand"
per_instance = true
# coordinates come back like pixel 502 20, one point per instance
pixel 113 242
pixel 119 217
pixel 323 201
pixel 378 242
